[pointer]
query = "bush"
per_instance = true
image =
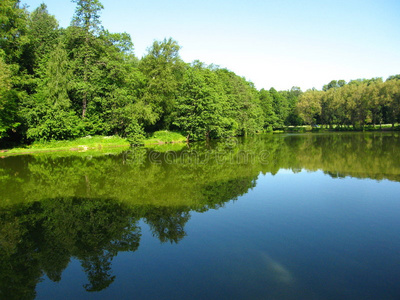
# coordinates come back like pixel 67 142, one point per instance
pixel 135 134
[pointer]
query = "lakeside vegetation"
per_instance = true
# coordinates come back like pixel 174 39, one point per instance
pixel 97 143
pixel 60 84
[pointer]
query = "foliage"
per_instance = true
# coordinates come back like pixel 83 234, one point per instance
pixel 164 136
pixel 65 83
pixel 358 103
pixel 309 106
pixel 163 70
pixel 201 105
pixel 135 134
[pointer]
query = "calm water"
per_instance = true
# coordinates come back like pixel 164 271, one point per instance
pixel 271 217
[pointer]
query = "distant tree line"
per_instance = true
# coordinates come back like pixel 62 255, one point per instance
pixel 357 103
pixel 62 83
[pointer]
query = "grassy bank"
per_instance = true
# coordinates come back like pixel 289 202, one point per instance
pixel 164 137
pixel 80 144
pixel 94 143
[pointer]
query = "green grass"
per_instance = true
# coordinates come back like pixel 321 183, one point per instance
pixel 80 144
pixel 163 137
pixel 95 143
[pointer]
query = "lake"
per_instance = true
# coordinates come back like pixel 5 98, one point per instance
pixel 287 216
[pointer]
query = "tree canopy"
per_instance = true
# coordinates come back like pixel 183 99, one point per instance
pixel 62 83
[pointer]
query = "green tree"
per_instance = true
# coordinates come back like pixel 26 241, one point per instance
pixel 309 106
pixel 266 102
pixel 48 113
pixel 392 77
pixel 201 105
pixel 14 56
pixel 356 102
pixel 280 106
pixel 43 33
pixel 7 103
pixel 13 39
pixel 163 70
pixel 87 24
pixel 390 93
pixel 243 107
pixel 292 97
pixel 119 86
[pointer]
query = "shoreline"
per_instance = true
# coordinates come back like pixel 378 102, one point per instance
pixel 122 142
pixel 83 148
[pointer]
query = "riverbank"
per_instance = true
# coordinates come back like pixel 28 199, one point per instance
pixel 335 128
pixel 158 139
pixel 95 143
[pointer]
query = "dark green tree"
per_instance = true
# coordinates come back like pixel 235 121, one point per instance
pixel 280 106
pixel 86 23
pixel 48 113
pixel 43 33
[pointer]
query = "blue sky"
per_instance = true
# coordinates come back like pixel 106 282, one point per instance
pixel 276 44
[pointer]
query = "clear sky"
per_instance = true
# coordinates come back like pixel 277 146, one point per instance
pixel 280 43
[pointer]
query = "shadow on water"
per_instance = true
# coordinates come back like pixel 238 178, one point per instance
pixel 54 208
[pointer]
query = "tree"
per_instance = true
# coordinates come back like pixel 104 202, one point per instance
pixel 393 77
pixel 87 23
pixel 201 105
pixel 292 97
pixel 390 93
pixel 14 63
pixel 243 107
pixel 13 39
pixel 266 102
pixel 163 69
pixel 356 102
pixel 118 86
pixel 280 106
pixel 48 113
pixel 7 105
pixel 309 106
pixel 43 33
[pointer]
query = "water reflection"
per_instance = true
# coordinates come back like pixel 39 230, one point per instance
pixel 54 207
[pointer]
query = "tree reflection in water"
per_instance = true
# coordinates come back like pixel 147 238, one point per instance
pixel 54 208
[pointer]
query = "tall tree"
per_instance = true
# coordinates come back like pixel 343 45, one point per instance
pixel 6 106
pixel 390 92
pixel 280 106
pixel 266 103
pixel 13 39
pixel 48 113
pixel 14 61
pixel 309 106
pixel 163 69
pixel 201 105
pixel 43 33
pixel 87 19
pixel 243 107
pixel 292 97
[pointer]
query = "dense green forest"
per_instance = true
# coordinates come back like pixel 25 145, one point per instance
pixel 63 83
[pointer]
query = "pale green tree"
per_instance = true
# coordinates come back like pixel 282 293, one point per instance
pixel 309 106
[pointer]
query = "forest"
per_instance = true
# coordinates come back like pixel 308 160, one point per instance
pixel 64 83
